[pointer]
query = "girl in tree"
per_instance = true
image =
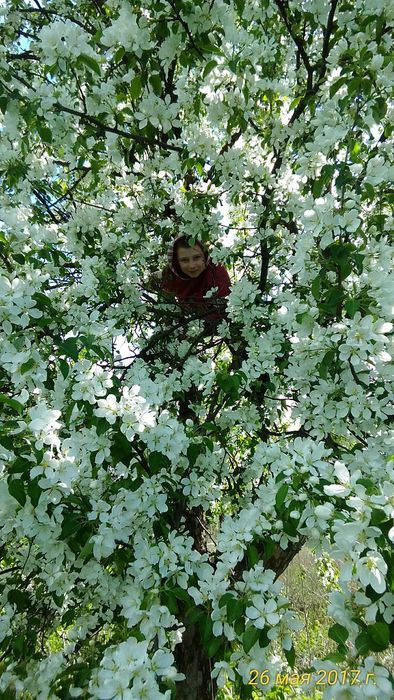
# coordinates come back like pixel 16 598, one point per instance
pixel 190 274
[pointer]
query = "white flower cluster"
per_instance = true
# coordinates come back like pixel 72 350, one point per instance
pixel 127 32
pixel 63 39
pixel 17 305
pixel 128 671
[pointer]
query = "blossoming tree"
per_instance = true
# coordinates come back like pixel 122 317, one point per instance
pixel 156 479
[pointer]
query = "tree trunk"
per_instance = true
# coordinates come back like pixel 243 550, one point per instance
pixel 281 558
pixel 191 660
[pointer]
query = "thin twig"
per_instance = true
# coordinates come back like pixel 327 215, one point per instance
pixel 114 130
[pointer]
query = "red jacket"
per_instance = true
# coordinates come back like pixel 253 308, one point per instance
pixel 193 290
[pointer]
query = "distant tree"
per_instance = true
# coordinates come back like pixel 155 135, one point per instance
pixel 157 476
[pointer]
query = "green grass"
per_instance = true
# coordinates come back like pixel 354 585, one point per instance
pixel 306 583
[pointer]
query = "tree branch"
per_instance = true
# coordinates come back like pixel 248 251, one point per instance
pixel 71 189
pixel 23 56
pixel 114 130
pixel 44 11
pixel 283 9
pixel 186 28
pixel 43 201
pixel 327 34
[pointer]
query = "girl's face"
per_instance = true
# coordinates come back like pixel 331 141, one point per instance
pixel 191 260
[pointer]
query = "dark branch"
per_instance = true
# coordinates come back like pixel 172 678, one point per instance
pixel 114 130
pixel 327 35
pixel 283 9
pixel 23 56
pixel 43 201
pixel 67 195
pixel 48 13
pixel 186 28
pixel 264 266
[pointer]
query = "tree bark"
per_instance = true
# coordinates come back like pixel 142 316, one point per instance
pixel 192 660
pixel 281 558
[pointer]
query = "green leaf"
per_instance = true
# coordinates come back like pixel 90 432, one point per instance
pixel 380 109
pixel 214 646
pixel 44 132
pixel 90 63
pixel 281 496
pixel 252 554
pixel 25 366
pixel 208 68
pixel 264 640
pixel 207 633
pixel 369 485
pixel 239 626
pixel 208 443
pixel 358 259
pixel 290 656
pixel 69 347
pixel 229 383
pixel 338 634
pixel 169 600
pixel 158 461
pixel 13 403
pixel 16 488
pixel 135 87
pixel 315 288
pixel 42 301
pixel 195 615
pixel 102 426
pixel 295 102
pixel 240 5
pixel 378 517
pixel 317 187
pixel 332 299
pixel 208 47
pixel 64 368
pixel 181 594
pixel 119 53
pixel 235 610
pixel 20 465
pixel 120 448
pixel 363 644
pixel 369 190
pixel 226 597
pixel 34 491
pixel 269 548
pixel 379 636
pixel 193 451
pixel 353 86
pixel 289 528
pixel 19 598
pixel 338 84
pixel 71 524
pixel 155 82
pixel 249 638
pixel 3 103
pixel 86 550
pixel 326 363
pixel 352 306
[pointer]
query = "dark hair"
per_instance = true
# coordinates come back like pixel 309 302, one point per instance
pixel 184 242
